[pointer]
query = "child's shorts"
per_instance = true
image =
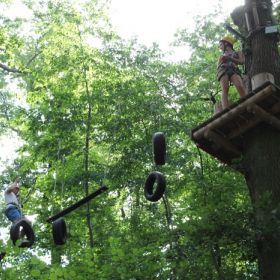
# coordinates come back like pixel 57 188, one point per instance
pixel 13 213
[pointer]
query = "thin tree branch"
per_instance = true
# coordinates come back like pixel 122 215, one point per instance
pixel 8 69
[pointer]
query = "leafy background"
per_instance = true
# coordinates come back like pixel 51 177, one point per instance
pixel 85 107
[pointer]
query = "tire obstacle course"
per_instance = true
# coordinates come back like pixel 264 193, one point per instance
pixel 155 183
pixel 154 189
pixel 22 228
pixel 59 228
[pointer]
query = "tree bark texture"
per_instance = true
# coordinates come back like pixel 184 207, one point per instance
pixel 261 51
pixel 86 153
pixel 261 160
pixel 86 180
pixel 264 56
pixel 261 149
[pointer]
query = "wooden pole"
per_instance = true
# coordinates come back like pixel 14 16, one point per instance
pixel 77 204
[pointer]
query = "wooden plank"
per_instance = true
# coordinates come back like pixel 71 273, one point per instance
pixel 264 115
pixel 250 124
pixel 235 104
pixel 220 136
pixel 212 136
pixel 276 97
pixel 275 108
pixel 229 116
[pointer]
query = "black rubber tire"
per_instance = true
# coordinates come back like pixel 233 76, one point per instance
pixel 28 231
pixel 154 193
pixel 59 231
pixel 159 148
pixel 2 256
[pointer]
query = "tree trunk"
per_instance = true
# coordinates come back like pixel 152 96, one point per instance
pixel 261 158
pixel 56 255
pixel 261 146
pixel 263 55
pixel 86 153
pixel 86 180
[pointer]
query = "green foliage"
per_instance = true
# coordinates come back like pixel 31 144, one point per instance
pixel 89 117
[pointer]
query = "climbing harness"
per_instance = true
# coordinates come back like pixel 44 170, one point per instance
pixel 227 67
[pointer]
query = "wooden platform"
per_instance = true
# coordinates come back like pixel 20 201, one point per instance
pixel 222 135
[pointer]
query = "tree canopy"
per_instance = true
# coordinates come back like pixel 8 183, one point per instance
pixel 85 104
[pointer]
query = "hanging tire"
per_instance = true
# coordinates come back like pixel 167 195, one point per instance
pixel 2 256
pixel 154 193
pixel 59 231
pixel 27 231
pixel 159 148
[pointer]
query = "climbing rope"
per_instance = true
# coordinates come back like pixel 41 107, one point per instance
pixel 56 173
pixel 59 229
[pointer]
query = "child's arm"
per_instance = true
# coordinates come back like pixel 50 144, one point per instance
pixel 240 59
pixel 13 185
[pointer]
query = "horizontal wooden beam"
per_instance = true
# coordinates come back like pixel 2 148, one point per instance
pixel 264 115
pixel 253 122
pixel 275 108
pixel 216 138
pixel 250 124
